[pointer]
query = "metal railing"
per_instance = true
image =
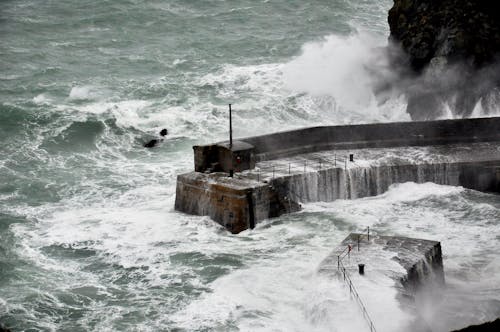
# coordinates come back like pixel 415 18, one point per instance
pixel 348 281
pixel 367 234
pixel 302 167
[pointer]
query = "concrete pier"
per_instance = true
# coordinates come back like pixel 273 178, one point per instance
pixel 274 173
pixel 394 268
pixel 421 259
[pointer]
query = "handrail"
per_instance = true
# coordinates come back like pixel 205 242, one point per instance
pixel 355 293
pixel 367 229
pixel 349 282
pixel 303 166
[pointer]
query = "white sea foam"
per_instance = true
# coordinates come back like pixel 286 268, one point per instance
pixel 276 286
pixel 288 295
pixel 468 235
pixel 80 92
pixel 41 99
pixel 329 83
pixel 341 67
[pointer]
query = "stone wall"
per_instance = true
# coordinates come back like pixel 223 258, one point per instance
pixel 234 204
pixel 239 204
pixel 294 142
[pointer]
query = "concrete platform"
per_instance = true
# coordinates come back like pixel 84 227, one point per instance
pixel 397 270
pixel 276 187
pixel 421 260
pixel 271 180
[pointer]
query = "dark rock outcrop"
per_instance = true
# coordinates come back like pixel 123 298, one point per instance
pixel 4 329
pixel 486 327
pixel 456 29
pixel 453 47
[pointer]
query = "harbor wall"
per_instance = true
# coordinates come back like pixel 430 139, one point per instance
pixel 214 157
pixel 239 204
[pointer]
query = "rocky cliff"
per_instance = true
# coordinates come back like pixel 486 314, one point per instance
pixel 486 327
pixel 453 47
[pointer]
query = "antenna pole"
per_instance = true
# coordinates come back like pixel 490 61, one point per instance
pixel 230 128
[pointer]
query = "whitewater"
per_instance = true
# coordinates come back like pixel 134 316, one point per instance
pixel 89 239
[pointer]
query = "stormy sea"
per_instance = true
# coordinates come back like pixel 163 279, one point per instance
pixel 89 238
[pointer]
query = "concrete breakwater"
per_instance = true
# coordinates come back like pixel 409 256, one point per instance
pixel 269 182
pixel 421 260
pixel 405 268
pixel 221 157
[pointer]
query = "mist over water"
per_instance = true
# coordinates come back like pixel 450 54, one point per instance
pixel 89 239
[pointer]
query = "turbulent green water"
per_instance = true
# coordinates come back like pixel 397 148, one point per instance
pixel 89 239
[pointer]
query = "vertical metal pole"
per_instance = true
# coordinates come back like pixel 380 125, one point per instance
pixel 338 261
pixel 305 164
pixel 320 164
pixel 359 239
pixel 368 233
pixel 289 169
pixel 258 176
pixel 230 127
pixel 335 160
pixel 273 172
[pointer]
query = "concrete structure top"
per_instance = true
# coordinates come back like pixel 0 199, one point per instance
pixel 221 179
pixel 237 146
pixel 421 259
pixel 314 139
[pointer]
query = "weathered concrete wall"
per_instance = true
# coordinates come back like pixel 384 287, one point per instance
pixel 337 183
pixel 221 157
pixel 233 203
pixel 375 135
pixel 238 204
pixel 289 143
pixel 227 204
pixel 425 273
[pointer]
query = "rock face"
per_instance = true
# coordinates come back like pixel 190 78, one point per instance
pixel 4 329
pixel 454 45
pixel 456 29
pixel 486 327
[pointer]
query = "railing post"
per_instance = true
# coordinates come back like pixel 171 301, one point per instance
pixel 289 169
pixel 230 128
pixel 359 239
pixel 368 233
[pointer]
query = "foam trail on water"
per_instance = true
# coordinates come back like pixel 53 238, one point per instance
pixel 80 92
